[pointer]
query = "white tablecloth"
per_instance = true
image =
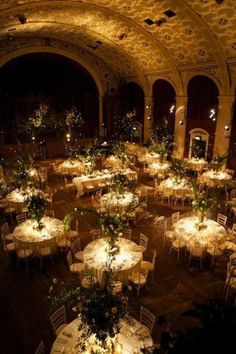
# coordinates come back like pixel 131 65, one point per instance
pixel 113 162
pixel 71 167
pixel 84 181
pixel 116 201
pixel 170 187
pixel 133 336
pixel 17 198
pixel 213 178
pixel 125 262
pixel 158 168
pixel 30 237
pixel 149 158
pixel 186 231
pixel 196 164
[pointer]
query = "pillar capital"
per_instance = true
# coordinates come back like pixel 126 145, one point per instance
pixel 226 99
pixel 181 100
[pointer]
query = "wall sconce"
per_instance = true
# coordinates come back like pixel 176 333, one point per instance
pixel 181 122
pixel 33 138
pixel 68 137
pixel 148 106
pixel 149 118
pixel 227 127
pixel 172 108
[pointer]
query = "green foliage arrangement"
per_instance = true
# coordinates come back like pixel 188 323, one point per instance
pixel 218 162
pixel 120 182
pixel 23 162
pixel 202 203
pixel 162 141
pixel 36 204
pixel 72 150
pixel 99 309
pixel 90 157
pixel 123 124
pixel 120 151
pixel 178 168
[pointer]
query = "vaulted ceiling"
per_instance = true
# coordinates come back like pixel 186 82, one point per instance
pixel 131 36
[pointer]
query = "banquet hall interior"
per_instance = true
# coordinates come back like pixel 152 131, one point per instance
pixel 117 176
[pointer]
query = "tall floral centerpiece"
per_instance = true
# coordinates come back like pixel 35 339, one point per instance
pixel 90 158
pixel 120 182
pixel 23 163
pixel 73 118
pixel 162 141
pixel 202 203
pixel 112 225
pixel 72 151
pixel 178 169
pixel 36 204
pixel 219 162
pixel 122 154
pixel 99 312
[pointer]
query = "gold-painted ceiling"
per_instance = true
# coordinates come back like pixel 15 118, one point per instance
pixel 201 31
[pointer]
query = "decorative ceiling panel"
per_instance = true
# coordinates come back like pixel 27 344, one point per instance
pixel 132 36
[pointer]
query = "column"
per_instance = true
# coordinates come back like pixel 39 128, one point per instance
pixel 180 126
pixel 223 125
pixel 148 118
pixel 101 127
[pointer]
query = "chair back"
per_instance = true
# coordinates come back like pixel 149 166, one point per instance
pixel 175 217
pixel 197 251
pixel 221 219
pixel 75 246
pixel 58 318
pixel 21 218
pixel 49 213
pixel 154 258
pixel 147 318
pixel 4 242
pixel 5 229
pixel 232 194
pixel 143 241
pixel 232 259
pixel 46 247
pixel 127 234
pixel 40 349
pixel 117 287
pixel 234 229
pixel 69 258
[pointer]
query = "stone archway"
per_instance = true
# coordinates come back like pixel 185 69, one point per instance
pixel 67 54
pixel 202 100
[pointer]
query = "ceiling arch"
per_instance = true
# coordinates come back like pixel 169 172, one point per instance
pixel 135 38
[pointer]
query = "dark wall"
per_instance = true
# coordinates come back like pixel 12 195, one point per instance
pixel 202 96
pixel 163 98
pixel 232 144
pixel 58 81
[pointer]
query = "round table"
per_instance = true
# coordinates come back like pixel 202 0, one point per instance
pixel 116 201
pixel 196 164
pixel 113 162
pixel 172 187
pixel 125 262
pixel 213 178
pixel 17 198
pixel 186 231
pixel 133 336
pixel 151 157
pixel 71 167
pixel 29 237
pixel 158 168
